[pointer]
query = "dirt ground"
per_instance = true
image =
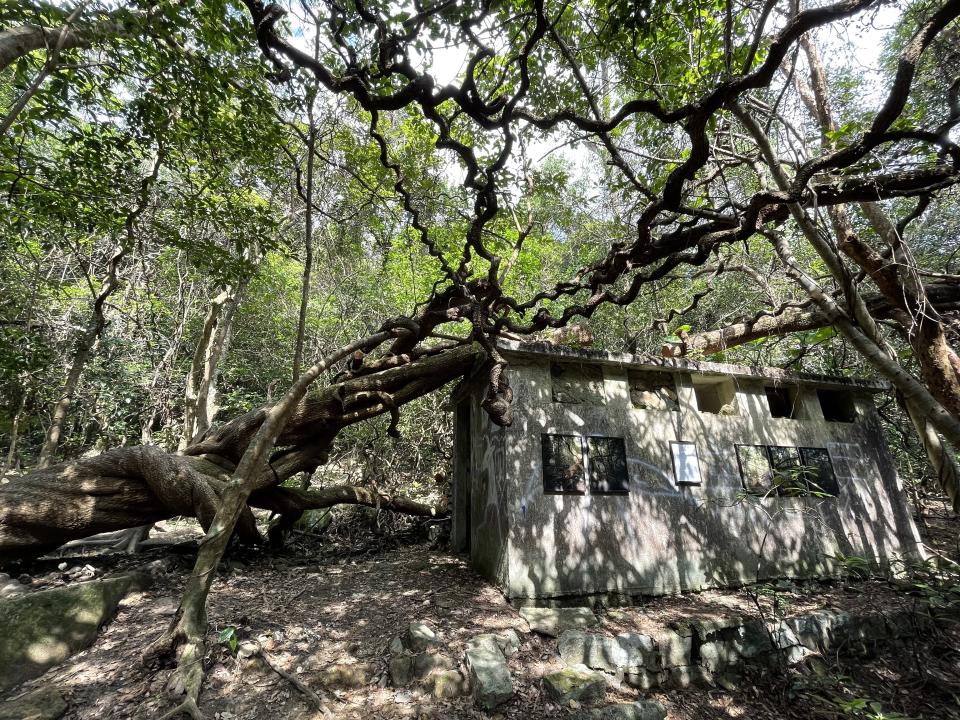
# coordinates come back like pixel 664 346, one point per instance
pixel 326 603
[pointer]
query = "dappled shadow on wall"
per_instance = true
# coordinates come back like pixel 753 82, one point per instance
pixel 660 536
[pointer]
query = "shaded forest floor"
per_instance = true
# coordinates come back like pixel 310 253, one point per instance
pixel 326 610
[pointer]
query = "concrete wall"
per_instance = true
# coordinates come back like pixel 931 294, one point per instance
pixel 488 527
pixel 661 538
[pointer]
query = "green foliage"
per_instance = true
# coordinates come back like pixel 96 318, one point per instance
pixel 853 566
pixel 189 87
pixel 228 637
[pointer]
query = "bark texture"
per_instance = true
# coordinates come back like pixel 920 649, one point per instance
pixel 944 296
pixel 135 486
pixel 200 401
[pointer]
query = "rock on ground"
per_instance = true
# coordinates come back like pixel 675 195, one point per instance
pixel 44 704
pixel 401 669
pixel 602 652
pixel 42 629
pixel 489 675
pixel 553 621
pixel 420 636
pixel 447 684
pixel 426 664
pixel 577 682
pixel 10 587
pixel 508 641
pixel 640 710
pixel 348 675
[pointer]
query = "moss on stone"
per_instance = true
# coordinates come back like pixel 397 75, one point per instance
pixel 42 629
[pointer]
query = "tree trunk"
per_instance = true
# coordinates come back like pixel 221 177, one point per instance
pixel 942 461
pixel 134 486
pixel 81 355
pixel 98 320
pixel 308 251
pixel 944 295
pixel 185 637
pixel 896 276
pixel 10 462
pixel 201 387
pixel 22 40
pixel 165 364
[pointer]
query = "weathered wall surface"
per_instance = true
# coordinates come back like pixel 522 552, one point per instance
pixel 460 482
pixel 489 496
pixel 661 538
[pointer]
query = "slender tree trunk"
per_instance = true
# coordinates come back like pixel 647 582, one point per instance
pixel 98 320
pixel 942 461
pixel 896 277
pixel 308 251
pixel 187 631
pixel 201 387
pixel 169 357
pixel 10 462
pixel 79 360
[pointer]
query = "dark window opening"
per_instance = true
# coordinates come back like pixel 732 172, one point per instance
pixel 782 401
pixel 788 475
pixel 563 464
pixel 837 406
pixel 818 468
pixel 572 463
pixel 755 470
pixel 791 471
pixel 607 461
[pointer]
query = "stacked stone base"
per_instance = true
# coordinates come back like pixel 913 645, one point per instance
pixel 697 651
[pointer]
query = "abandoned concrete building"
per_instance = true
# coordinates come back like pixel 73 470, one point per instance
pixel 624 476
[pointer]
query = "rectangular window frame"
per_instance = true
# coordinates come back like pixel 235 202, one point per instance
pixel 713 393
pixel 588 484
pixel 788 395
pixel 674 444
pixel 544 464
pixel 659 383
pixel 834 482
pixel 593 482
pixel 785 484
pixel 838 405
pixel 765 451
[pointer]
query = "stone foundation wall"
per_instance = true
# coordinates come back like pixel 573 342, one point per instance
pixel 700 651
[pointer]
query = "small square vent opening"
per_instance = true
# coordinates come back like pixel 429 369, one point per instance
pixel 837 405
pixel 716 395
pixel 783 401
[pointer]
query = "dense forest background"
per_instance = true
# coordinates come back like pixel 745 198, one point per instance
pixel 180 233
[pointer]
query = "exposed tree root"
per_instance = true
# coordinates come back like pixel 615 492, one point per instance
pixel 184 642
pixel 129 541
pixel 187 707
pixel 312 696
pixel 185 638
